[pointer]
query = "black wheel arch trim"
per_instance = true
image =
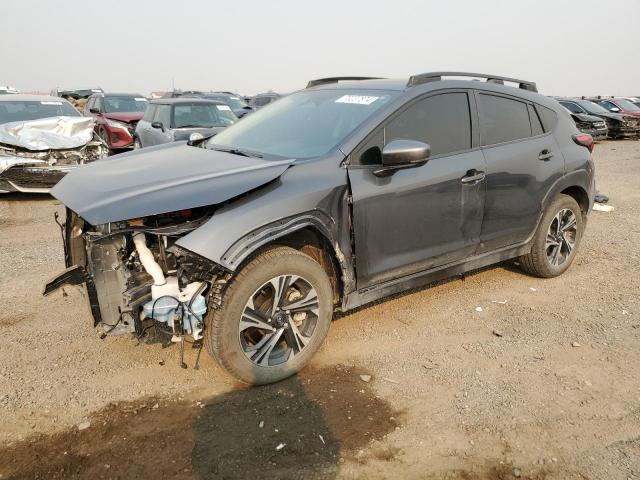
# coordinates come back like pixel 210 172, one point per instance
pixel 576 179
pixel 317 220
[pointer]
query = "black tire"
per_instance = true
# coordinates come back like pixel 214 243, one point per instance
pixel 222 336
pixel 538 262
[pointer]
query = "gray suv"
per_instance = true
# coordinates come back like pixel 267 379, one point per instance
pixel 174 119
pixel 336 196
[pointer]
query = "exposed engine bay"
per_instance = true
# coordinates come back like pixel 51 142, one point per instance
pixel 35 155
pixel 137 280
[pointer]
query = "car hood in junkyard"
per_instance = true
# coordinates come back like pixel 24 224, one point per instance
pixel 126 117
pixel 54 133
pixel 160 180
pixel 583 117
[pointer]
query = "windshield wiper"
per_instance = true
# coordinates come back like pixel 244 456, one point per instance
pixel 237 151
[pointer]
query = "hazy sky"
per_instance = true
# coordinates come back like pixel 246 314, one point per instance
pixel 253 46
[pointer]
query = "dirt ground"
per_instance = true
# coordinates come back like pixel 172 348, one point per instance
pixel 555 396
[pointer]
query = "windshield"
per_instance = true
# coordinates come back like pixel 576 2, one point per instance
pixel 628 105
pixel 19 111
pixel 304 125
pixel 591 107
pixel 202 115
pixel 124 104
pixel 235 103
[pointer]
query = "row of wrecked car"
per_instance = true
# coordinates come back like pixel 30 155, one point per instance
pixel 614 117
pixel 43 137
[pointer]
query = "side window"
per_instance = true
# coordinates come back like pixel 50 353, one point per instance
pixel 149 112
pixel 502 119
pixel 548 117
pixel 89 105
pixel 572 107
pixel 98 103
pixel 610 106
pixel 163 115
pixel 443 121
pixel 536 125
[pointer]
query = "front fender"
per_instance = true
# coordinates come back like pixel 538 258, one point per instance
pixel 312 194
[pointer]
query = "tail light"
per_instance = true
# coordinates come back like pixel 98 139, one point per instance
pixel 584 140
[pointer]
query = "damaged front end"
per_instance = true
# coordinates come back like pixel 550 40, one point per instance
pixel 137 281
pixel 35 155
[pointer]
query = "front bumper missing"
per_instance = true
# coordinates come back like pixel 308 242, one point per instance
pixel 77 275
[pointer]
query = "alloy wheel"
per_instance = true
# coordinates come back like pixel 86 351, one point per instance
pixel 561 237
pixel 279 320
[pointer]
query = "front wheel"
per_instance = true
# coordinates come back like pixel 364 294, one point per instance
pixel 557 239
pixel 275 314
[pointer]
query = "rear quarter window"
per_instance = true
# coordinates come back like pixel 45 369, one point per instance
pixel 536 124
pixel 548 117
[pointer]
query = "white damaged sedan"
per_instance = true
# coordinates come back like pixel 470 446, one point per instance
pixel 42 138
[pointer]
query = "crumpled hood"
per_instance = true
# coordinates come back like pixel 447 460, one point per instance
pixel 161 179
pixel 583 117
pixel 611 115
pixel 126 117
pixel 54 133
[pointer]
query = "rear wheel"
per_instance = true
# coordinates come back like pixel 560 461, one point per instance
pixel 555 243
pixel 274 316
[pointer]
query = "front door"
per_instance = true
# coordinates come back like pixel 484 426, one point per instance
pixel 422 217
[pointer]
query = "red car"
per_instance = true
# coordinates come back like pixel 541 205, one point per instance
pixel 620 105
pixel 117 115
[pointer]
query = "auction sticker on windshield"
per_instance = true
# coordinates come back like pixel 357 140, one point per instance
pixel 140 99
pixel 357 99
pixel 51 103
pixel 224 107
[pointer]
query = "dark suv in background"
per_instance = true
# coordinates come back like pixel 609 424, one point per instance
pixel 174 119
pixel 342 194
pixel 116 115
pixel 263 99
pixel 618 125
pixel 239 107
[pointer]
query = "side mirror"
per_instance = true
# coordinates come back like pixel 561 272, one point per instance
pixel 615 109
pixel 158 125
pixel 401 154
pixel 94 110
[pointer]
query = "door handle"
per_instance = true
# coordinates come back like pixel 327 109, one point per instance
pixel 472 177
pixel 545 155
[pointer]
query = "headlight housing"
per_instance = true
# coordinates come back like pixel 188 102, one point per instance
pixel 116 124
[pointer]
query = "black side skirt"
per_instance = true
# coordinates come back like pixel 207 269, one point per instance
pixel 77 275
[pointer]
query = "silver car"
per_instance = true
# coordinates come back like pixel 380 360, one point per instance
pixel 173 119
pixel 42 138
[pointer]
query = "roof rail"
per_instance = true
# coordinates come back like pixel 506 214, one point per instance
pixel 437 76
pixel 324 81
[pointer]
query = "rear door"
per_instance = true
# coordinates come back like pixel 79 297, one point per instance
pixel 523 161
pixel 421 217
